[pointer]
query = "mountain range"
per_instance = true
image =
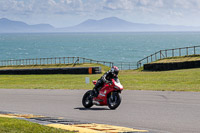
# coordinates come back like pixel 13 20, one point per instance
pixel 111 24
pixel 7 25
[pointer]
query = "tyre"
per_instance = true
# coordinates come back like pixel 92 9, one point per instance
pixel 87 99
pixel 114 100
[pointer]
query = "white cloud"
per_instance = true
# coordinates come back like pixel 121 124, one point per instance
pixel 154 11
pixel 118 5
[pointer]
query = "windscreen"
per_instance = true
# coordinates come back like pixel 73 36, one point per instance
pixel 117 80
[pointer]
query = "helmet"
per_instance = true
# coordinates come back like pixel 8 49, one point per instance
pixel 115 70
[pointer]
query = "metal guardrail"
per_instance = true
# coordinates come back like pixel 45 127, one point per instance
pixel 65 60
pixel 49 61
pixel 126 65
pixel 185 51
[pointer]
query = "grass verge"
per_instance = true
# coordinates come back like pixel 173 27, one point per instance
pixel 179 59
pixel 11 125
pixel 177 80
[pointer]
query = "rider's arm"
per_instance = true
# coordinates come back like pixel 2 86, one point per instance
pixel 104 77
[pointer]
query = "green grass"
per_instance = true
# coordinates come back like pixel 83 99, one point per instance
pixel 10 125
pixel 179 59
pixel 177 80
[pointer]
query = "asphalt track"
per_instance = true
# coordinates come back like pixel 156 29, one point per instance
pixel 159 112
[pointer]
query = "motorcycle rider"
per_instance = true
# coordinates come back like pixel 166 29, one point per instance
pixel 106 78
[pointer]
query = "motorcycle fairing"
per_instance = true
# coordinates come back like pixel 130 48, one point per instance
pixel 103 93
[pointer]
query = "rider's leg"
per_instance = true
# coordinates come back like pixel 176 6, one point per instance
pixel 98 87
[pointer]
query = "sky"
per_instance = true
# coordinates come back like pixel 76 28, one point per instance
pixel 64 13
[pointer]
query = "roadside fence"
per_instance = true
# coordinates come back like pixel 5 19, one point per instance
pixel 51 61
pixel 185 51
pixel 126 65
pixel 65 60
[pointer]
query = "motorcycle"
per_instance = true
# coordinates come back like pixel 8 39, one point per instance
pixel 109 95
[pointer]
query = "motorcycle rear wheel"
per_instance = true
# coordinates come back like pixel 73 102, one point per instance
pixel 87 99
pixel 114 100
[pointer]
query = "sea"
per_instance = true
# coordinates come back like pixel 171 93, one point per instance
pixel 114 47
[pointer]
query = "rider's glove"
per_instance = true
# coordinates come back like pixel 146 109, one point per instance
pixel 107 81
pixel 110 83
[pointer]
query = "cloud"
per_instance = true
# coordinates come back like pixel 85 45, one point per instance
pixel 118 4
pixel 40 6
pixel 133 10
pixel 78 6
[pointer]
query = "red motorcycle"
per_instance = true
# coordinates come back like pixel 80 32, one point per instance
pixel 109 95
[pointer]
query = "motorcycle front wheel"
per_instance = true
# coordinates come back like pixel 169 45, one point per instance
pixel 114 100
pixel 87 99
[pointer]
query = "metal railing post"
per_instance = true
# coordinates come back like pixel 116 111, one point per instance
pixel 155 57
pixel 78 60
pixel 160 54
pixel 59 60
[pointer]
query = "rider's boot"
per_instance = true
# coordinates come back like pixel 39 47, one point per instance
pixel 95 92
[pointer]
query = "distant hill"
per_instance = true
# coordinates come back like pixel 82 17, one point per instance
pixel 114 24
pixel 7 26
pixel 111 24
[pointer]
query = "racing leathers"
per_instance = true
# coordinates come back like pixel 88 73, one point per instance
pixel 106 78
